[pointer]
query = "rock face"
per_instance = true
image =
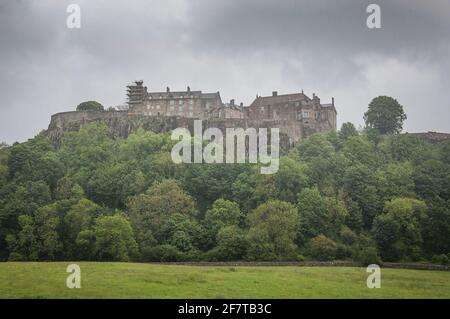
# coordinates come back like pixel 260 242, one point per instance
pixel 123 123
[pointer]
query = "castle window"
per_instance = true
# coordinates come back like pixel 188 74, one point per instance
pixel 305 114
pixel 172 102
pixel 262 108
pixel 297 103
pixel 148 107
pixel 157 107
pixel 172 108
pixel 149 113
pixel 191 102
pixel 180 102
pixel 180 108
pixel 191 114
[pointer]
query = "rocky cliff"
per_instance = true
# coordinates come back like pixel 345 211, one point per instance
pixel 124 123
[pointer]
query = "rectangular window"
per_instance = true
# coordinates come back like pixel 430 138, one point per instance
pixel 305 114
pixel 157 107
pixel 180 102
pixel 191 101
pixel 180 108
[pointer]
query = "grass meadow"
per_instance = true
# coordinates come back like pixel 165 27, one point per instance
pixel 135 280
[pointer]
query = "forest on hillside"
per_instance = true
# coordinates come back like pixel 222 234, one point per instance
pixel 346 195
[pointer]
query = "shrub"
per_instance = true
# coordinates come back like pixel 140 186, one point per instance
pixel 343 251
pixel 440 259
pixel 162 253
pixel 90 106
pixel 323 248
pixel 367 256
pixel 347 236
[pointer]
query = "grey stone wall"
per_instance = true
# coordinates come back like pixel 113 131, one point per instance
pixel 123 123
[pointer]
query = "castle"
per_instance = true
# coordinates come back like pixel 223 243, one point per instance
pixel 306 112
pixel 296 115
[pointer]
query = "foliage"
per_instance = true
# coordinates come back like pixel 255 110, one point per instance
pixel 385 114
pixel 272 231
pixel 90 106
pixel 374 196
pixel 323 248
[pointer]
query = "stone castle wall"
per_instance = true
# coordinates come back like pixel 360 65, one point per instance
pixel 123 123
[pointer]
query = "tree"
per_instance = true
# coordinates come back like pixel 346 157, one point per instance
pixel 431 179
pixel 398 230
pixel 437 227
pixel 149 211
pixel 114 238
pixel 323 248
pixel 90 106
pixel 360 186
pixel 385 114
pixel 272 231
pixel 231 243
pixel 358 149
pixel 313 217
pixel 80 217
pixel 222 213
pixel 38 238
pixel 290 179
pixel 347 130
pixel 184 232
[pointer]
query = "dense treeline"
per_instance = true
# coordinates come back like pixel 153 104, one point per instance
pixel 345 195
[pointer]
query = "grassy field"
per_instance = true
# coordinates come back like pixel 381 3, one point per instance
pixel 129 280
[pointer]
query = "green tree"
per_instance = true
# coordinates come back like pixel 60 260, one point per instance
pixel 385 114
pixel 80 217
pixel 114 238
pixel 398 230
pixel 38 238
pixel 223 213
pixel 231 244
pixel 149 211
pixel 313 217
pixel 90 106
pixel 323 248
pixel 272 231
pixel 347 130
pixel 360 185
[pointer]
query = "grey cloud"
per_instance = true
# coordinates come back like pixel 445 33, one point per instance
pixel 238 47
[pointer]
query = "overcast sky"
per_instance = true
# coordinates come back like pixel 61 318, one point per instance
pixel 240 48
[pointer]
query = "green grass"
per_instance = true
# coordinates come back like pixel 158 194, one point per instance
pixel 129 280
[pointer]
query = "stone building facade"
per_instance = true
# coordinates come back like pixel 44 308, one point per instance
pixel 191 104
pixel 296 111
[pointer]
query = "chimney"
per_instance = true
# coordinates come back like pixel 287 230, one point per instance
pixel 188 89
pixel 167 89
pixel 241 105
pixel 314 96
pixel 274 93
pixel 332 101
pixel 232 102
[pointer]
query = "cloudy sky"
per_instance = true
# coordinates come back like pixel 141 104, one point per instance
pixel 238 47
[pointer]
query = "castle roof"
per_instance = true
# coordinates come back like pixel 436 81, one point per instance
pixel 284 98
pixel 182 94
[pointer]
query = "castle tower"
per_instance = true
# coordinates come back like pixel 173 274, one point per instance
pixel 136 93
